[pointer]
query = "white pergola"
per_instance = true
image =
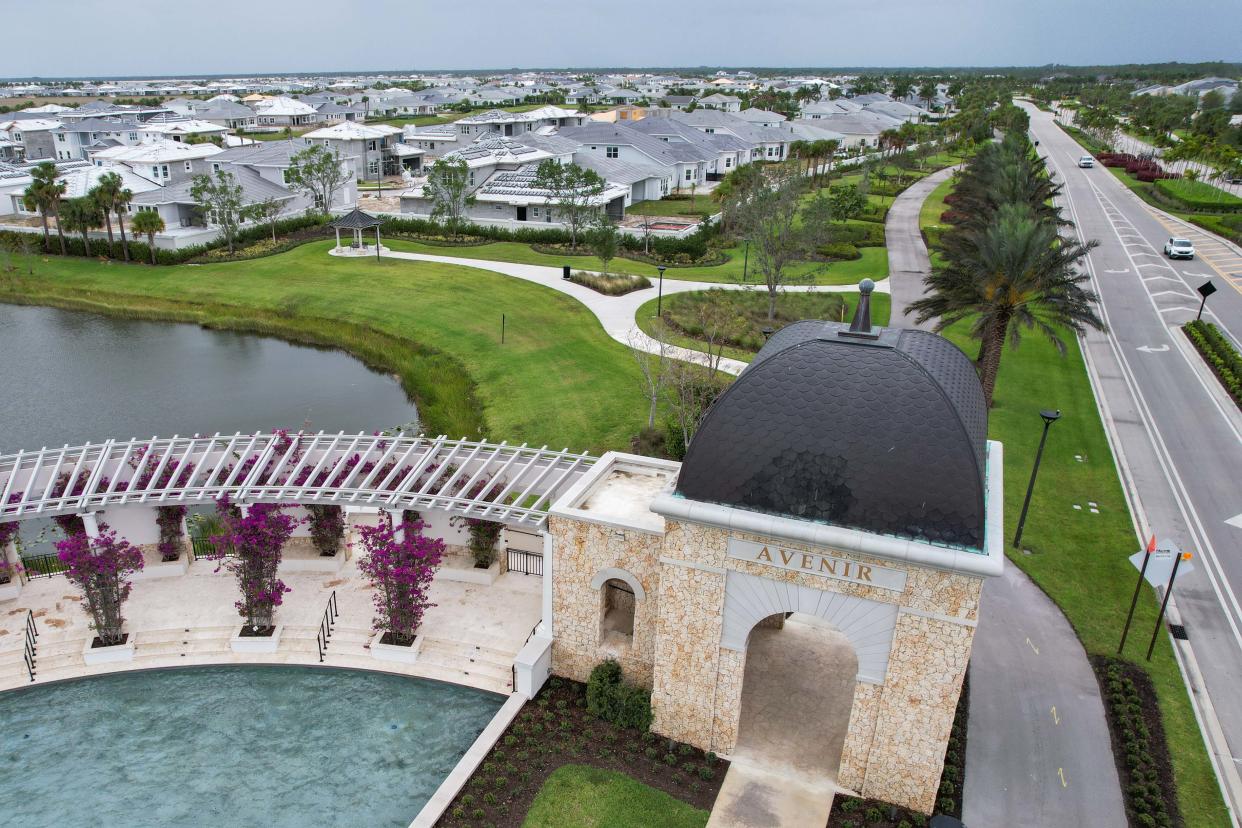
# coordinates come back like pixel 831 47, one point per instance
pixel 390 473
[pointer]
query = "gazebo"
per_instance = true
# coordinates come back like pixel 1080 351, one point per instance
pixel 357 221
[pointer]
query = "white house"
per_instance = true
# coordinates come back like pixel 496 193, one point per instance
pixel 370 144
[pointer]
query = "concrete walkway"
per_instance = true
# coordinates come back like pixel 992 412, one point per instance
pixel 908 262
pixel 616 313
pixel 1037 748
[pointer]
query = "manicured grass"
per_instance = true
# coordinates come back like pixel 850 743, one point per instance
pixel 700 204
pixel 577 796
pixel 873 264
pixel 1198 192
pixel 790 307
pixel 557 379
pixel 933 208
pixel 1080 558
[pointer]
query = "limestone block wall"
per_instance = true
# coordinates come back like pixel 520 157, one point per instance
pixel 580 550
pixel 859 737
pixel 916 708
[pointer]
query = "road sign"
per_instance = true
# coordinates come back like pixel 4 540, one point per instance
pixel 1206 289
pixel 1160 567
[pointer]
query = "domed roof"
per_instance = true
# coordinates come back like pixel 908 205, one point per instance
pixel 881 431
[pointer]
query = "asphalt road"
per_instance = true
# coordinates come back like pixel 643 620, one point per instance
pixel 1176 436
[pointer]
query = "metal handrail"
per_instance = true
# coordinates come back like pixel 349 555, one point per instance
pixel 324 635
pixel 30 651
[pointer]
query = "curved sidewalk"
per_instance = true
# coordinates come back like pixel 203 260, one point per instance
pixel 616 313
pixel 1037 750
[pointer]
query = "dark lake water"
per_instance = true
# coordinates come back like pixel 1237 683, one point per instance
pixel 69 377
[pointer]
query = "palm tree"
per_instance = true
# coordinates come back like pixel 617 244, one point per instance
pixel 105 193
pixel 830 150
pixel 47 197
pixel 1020 275
pixel 82 215
pixel 148 223
pixel 120 206
pixel 35 199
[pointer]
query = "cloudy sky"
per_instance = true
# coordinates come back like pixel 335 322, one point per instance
pixel 95 38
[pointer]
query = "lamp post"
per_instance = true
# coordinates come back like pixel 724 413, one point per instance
pixel 767 332
pixel 1049 416
pixel 660 295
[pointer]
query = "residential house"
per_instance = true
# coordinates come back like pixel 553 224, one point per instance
pixel 684 163
pixel 75 140
pixel 508 124
pixel 30 139
pixel 435 140
pixel 370 144
pixel 725 103
pixel 282 112
pixel 723 152
pixel 762 117
pixel 225 113
pixel 678 102
pixel 858 129
pixel 502 175
pixel 620 114
pixel 183 130
pixel 765 143
pixel 160 160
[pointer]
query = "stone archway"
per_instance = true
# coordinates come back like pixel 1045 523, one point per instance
pixel 797 696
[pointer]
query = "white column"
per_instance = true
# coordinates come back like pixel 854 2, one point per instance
pixel 398 525
pixel 545 623
pixel 90 522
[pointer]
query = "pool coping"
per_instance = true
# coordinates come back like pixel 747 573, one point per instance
pixel 469 763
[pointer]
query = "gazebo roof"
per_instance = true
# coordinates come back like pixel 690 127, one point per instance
pixel 356 220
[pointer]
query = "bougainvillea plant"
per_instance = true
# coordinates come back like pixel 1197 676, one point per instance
pixel 483 533
pixel 10 531
pixel 400 565
pixel 256 536
pixel 148 474
pixel 100 567
pixel 327 528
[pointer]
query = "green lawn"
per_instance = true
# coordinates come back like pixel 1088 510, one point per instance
pixel 873 264
pixel 794 305
pixel 1199 191
pixel 701 203
pixel 576 796
pixel 558 379
pixel 1079 558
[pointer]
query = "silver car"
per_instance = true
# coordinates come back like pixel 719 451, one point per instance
pixel 1179 249
pixel 1086 162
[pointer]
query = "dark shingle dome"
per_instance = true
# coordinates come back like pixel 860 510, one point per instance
pixel 882 431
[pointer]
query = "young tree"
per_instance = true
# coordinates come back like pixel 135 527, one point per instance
pixel 100 567
pixel 148 223
pixel 400 565
pixel 318 172
pixel 769 219
pixel 652 367
pixel 257 539
pixel 222 201
pixel 845 202
pixel 267 212
pixel 448 188
pixel 603 241
pixel 81 215
pixel 574 190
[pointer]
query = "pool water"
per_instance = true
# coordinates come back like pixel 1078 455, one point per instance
pixel 232 746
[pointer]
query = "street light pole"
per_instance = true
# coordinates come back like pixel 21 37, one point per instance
pixel 1049 416
pixel 660 295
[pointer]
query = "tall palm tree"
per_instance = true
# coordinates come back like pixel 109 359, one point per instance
pixel 1021 275
pixel 82 215
pixel 120 206
pixel 104 192
pixel 35 199
pixel 48 195
pixel 148 222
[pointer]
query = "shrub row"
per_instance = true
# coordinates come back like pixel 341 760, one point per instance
pixel 1220 355
pixel 612 700
pixel 838 251
pixel 614 284
pixel 869 234
pixel 1138 744
pixel 1211 200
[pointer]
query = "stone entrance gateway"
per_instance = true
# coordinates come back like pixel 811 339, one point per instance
pixel 846 478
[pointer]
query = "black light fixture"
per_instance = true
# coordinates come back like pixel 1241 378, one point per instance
pixel 660 295
pixel 1049 416
pixel 767 332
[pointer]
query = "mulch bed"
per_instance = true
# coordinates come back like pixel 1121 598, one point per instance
pixel 99 642
pixel 1144 767
pixel 852 812
pixel 555 729
pixel 248 631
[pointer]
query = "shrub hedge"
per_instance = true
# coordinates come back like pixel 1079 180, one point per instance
pixel 1220 355
pixel 839 251
pixel 614 284
pixel 612 700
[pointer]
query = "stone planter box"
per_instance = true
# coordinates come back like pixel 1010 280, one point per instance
pixel 313 564
pixel 163 569
pixel 391 652
pixel 463 570
pixel 108 655
pixel 256 644
pixel 11 590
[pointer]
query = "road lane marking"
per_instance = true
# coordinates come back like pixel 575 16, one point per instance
pixel 1033 647
pixel 1173 293
pixel 1061 773
pixel 1148 349
pixel 1055 718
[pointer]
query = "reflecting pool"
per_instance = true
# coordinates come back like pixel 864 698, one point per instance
pixel 288 747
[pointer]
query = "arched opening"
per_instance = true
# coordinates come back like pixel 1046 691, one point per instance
pixel 617 604
pixel 797 694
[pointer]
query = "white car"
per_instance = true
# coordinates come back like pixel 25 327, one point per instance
pixel 1086 162
pixel 1179 249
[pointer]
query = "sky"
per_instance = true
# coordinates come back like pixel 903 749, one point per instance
pixel 97 38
